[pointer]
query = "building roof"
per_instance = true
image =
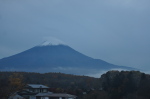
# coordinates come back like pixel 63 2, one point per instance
pixel 44 94
pixel 25 92
pixel 57 95
pixel 36 86
pixel 62 95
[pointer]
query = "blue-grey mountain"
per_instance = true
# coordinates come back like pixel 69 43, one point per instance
pixel 55 58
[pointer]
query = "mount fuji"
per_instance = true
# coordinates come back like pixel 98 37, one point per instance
pixel 48 57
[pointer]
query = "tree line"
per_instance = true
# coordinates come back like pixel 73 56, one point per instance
pixel 11 82
pixel 111 85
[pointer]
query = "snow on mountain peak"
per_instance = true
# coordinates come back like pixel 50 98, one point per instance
pixel 52 41
pixel 47 43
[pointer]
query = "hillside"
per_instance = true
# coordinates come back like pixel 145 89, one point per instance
pixel 11 82
pixel 111 85
pixel 122 85
pixel 56 58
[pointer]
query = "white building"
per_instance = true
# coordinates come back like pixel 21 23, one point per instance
pixel 38 91
pixel 55 96
pixel 37 88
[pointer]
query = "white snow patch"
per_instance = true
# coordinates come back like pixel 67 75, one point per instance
pixel 51 41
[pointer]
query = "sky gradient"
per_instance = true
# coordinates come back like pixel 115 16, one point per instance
pixel 117 31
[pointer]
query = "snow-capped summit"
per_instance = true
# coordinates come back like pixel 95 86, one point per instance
pixel 52 42
pixel 47 43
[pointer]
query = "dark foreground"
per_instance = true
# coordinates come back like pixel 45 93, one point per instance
pixel 111 85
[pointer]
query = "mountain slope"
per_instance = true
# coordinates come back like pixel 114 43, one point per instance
pixel 54 58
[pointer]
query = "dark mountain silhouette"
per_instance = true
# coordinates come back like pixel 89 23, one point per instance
pixel 54 58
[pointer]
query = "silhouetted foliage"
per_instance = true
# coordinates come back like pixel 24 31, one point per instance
pixel 58 82
pixel 126 84
pixel 111 85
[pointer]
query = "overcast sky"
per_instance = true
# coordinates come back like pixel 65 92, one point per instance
pixel 117 31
